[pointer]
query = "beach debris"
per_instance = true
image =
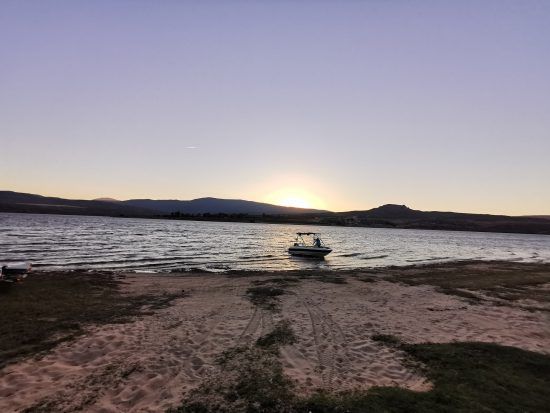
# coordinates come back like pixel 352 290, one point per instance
pixel 14 272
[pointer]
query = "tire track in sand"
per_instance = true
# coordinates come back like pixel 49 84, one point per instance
pixel 260 323
pixel 330 344
pixel 251 327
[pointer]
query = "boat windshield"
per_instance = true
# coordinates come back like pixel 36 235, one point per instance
pixel 309 239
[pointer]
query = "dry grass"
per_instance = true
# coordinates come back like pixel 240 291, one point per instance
pixel 49 308
pixel 504 282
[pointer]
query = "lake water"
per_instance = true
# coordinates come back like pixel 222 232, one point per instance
pixel 71 242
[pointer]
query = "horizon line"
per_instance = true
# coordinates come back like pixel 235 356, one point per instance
pixel 104 199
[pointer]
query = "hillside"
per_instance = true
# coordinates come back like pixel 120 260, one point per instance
pixel 400 216
pixel 216 206
pixel 215 209
pixel 29 203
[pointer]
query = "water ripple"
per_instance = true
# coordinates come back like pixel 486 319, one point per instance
pixel 71 242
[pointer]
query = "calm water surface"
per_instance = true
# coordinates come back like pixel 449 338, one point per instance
pixel 71 242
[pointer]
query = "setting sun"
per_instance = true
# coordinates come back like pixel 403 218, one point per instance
pixel 295 197
pixel 295 202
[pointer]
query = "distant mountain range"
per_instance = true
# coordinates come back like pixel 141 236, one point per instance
pixel 30 203
pixel 400 216
pixel 37 204
pixel 386 216
pixel 216 206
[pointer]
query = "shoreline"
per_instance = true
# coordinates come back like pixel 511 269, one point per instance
pixel 150 341
pixel 197 270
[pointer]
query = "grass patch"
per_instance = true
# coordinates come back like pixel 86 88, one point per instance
pixel 265 296
pixel 49 308
pixel 265 292
pixel 328 277
pixel 282 281
pixel 467 377
pixel 331 279
pixel 250 379
pixel 387 339
pixel 281 335
pixel 368 279
pixel 504 281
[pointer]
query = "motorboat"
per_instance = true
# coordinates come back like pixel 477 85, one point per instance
pixel 14 272
pixel 314 248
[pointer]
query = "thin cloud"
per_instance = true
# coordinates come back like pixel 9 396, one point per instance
pixel 191 147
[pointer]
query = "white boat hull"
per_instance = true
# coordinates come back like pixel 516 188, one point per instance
pixel 305 251
pixel 14 272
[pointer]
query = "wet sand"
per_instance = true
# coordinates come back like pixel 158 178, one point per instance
pixel 149 363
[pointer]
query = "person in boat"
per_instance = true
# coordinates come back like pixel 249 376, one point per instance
pixel 318 242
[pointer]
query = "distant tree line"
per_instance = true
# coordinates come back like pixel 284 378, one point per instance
pixel 314 219
pixel 434 221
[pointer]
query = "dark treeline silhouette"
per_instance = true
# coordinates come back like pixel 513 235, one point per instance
pixel 213 209
pixel 390 216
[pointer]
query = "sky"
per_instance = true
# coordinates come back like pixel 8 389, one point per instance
pixel 343 105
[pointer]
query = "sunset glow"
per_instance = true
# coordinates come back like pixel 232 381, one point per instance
pixel 295 197
pixel 331 105
pixel 295 202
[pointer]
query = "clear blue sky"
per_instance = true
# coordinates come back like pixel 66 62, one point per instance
pixel 440 105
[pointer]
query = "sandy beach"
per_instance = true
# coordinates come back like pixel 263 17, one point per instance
pixel 150 362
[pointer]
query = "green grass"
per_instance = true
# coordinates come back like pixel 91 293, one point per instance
pixel 467 377
pixel 49 308
pixel 368 279
pixel 281 335
pixel 506 281
pixel 331 279
pixel 387 339
pixel 325 277
pixel 249 379
pixel 265 296
pixel 282 281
